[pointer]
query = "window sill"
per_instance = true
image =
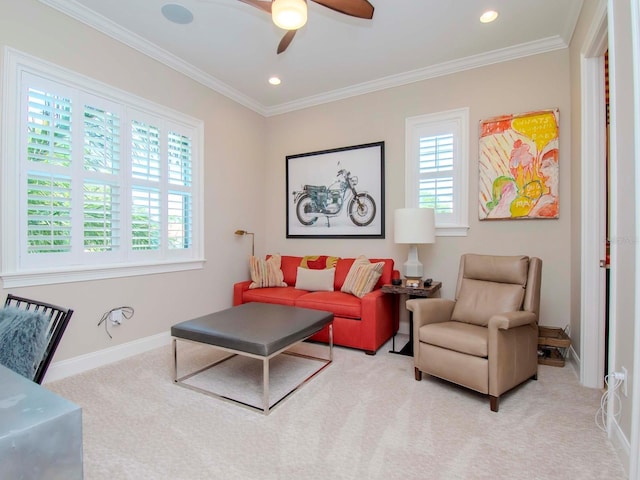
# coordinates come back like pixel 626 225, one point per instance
pixel 102 272
pixel 452 231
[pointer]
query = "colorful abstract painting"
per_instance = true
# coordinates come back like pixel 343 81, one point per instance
pixel 519 166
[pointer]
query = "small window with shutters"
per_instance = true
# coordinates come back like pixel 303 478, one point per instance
pixel 436 168
pixel 100 179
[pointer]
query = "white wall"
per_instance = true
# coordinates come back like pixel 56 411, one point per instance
pixel 234 142
pixel 532 83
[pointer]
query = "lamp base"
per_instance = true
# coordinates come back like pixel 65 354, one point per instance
pixel 412 267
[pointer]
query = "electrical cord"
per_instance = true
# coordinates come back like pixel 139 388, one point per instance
pixel 610 394
pixel 127 312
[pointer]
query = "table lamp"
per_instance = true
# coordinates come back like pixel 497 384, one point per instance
pixel 415 226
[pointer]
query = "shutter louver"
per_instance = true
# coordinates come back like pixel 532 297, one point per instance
pixel 179 155
pixel 436 173
pixel 179 220
pixel 101 141
pixel 145 151
pixel 101 217
pixel 145 219
pixel 48 129
pixel 48 213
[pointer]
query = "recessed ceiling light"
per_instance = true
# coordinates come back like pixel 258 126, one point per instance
pixel 177 13
pixel 275 80
pixel 488 16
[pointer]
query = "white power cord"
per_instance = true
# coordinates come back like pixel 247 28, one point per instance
pixel 611 394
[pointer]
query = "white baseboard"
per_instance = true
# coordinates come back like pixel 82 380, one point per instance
pixel 621 445
pixel 574 360
pixel 82 363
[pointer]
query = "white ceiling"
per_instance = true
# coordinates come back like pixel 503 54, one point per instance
pixel 231 46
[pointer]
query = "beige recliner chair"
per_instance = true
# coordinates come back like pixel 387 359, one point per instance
pixel 487 339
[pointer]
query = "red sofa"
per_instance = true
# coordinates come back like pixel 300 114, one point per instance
pixel 364 323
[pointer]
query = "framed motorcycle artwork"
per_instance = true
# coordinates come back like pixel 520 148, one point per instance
pixel 337 193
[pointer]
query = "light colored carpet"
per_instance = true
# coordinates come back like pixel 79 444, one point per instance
pixel 362 417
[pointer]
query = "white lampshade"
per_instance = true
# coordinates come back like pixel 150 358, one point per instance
pixel 414 226
pixel 289 14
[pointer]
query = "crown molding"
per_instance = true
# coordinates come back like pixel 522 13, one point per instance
pixel 447 68
pixel 79 12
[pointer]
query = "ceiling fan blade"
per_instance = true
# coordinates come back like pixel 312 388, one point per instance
pixel 355 8
pixel 286 40
pixel 261 5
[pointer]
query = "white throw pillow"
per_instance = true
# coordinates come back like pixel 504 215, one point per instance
pixel 315 280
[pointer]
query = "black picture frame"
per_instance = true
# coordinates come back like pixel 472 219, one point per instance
pixel 320 203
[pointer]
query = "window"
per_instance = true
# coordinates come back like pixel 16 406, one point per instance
pixel 105 184
pixel 436 168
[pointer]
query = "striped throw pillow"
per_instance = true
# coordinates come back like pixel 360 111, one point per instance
pixel 266 273
pixel 362 277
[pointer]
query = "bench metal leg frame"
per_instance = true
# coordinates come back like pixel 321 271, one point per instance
pixel 267 407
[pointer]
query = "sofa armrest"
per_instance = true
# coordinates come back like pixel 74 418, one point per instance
pixel 238 289
pixel 379 318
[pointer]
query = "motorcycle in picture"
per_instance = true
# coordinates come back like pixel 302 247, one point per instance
pixel 319 200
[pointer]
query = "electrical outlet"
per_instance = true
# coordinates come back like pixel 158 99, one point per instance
pixel 116 317
pixel 624 381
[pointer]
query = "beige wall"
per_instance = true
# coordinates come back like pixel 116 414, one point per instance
pixel 234 142
pixel 536 82
pixel 238 141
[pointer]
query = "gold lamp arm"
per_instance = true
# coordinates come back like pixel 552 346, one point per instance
pixel 244 232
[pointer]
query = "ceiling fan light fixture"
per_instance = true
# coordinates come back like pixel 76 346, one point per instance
pixel 289 14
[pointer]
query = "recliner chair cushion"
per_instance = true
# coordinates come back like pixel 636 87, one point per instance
pixel 478 300
pixel 460 337
pixel 497 269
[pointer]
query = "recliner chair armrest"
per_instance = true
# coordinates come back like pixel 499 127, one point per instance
pixel 430 310
pixel 507 320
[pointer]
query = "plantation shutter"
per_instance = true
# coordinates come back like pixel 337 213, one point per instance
pixel 48 175
pixel 99 178
pixel 145 193
pixel 180 209
pixel 436 173
pixel 101 192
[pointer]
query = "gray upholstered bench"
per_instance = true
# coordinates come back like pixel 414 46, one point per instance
pixel 256 330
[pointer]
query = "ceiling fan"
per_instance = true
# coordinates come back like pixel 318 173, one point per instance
pixel 290 15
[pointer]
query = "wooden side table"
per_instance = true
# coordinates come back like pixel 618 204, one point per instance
pixel 412 292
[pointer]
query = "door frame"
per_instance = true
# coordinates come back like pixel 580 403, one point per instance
pixel 593 200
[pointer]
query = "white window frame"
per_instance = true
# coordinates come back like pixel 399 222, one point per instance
pixel 455 122
pixel 13 274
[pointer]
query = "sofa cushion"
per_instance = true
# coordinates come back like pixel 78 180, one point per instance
pixel 315 280
pixel 283 296
pixel 339 303
pixel 319 262
pixel 266 273
pixel 362 277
